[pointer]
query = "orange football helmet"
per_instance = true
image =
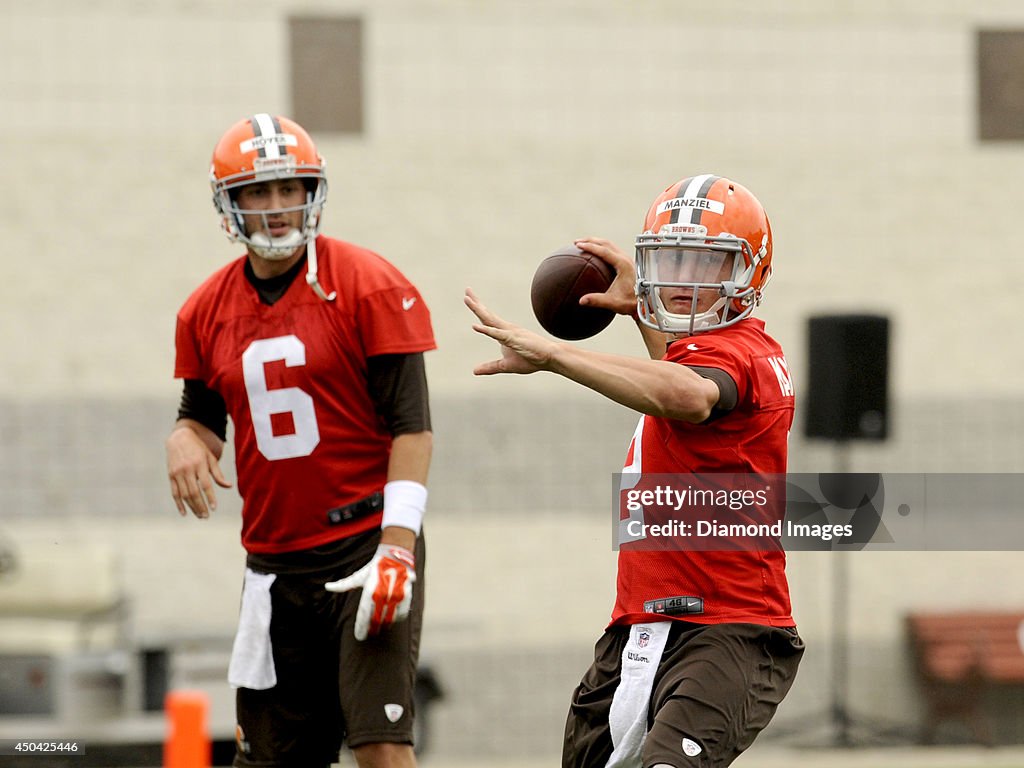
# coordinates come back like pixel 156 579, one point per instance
pixel 261 148
pixel 703 236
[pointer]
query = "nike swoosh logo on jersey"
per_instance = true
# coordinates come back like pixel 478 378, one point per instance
pixel 407 303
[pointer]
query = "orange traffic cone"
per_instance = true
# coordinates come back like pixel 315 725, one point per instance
pixel 188 743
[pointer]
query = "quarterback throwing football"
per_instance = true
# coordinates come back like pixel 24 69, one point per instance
pixel 701 647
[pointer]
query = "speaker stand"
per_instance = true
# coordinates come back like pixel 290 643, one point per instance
pixel 842 729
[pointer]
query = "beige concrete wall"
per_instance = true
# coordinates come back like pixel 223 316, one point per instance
pixel 497 132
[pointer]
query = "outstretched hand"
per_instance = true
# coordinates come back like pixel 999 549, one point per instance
pixel 521 350
pixel 621 294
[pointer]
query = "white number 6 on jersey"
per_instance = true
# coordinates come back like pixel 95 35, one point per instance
pixel 264 402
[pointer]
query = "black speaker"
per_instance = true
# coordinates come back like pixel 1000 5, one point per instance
pixel 847 393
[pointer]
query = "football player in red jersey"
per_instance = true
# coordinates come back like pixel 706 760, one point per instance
pixel 701 647
pixel 324 381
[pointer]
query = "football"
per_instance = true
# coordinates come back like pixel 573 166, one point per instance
pixel 559 282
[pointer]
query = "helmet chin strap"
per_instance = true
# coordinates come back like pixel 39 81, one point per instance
pixel 311 279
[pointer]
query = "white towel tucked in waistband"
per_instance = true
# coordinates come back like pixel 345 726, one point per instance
pixel 627 718
pixel 252 658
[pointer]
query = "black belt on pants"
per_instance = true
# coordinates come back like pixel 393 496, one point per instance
pixel 370 505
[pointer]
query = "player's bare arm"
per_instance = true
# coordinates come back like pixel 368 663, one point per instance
pixel 193 466
pixel 409 460
pixel 397 536
pixel 653 387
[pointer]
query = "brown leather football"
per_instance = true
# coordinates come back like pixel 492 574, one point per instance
pixel 559 282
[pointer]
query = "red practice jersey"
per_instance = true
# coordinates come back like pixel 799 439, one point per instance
pixel 294 378
pixel 736 586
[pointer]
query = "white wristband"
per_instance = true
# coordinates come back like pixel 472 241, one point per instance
pixel 405 501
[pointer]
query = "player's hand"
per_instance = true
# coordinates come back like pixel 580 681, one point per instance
pixel 386 582
pixel 193 469
pixel 621 294
pixel 521 350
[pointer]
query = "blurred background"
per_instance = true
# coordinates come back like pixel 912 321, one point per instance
pixel 465 141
